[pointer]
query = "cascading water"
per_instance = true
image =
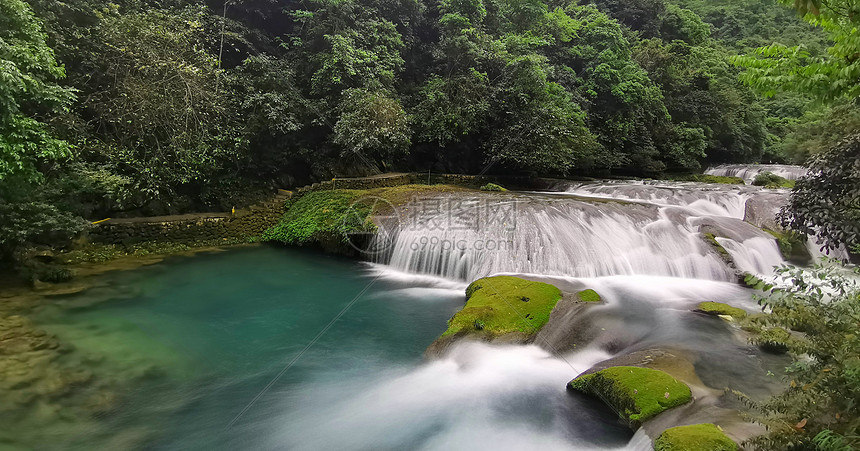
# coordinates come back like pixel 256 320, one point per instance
pixel 749 171
pixel 644 230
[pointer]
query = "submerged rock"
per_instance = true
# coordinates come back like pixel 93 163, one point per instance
pixel 635 394
pixel 696 437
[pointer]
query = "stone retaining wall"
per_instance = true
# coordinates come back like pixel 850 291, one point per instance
pixel 189 228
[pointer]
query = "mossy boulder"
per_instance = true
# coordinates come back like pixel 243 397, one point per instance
pixel 502 305
pixel 635 394
pixel 718 309
pixel 589 295
pixel 493 187
pixel 696 437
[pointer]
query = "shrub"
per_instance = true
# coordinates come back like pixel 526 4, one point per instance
pixel 821 403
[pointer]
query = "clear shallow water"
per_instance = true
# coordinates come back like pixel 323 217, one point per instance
pixel 190 342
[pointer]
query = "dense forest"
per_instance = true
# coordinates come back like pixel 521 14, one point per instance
pixel 143 108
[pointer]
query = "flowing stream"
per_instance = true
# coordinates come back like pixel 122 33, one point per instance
pixel 203 352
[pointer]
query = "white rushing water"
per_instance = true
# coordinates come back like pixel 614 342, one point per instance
pixel 749 171
pixel 507 397
pixel 644 230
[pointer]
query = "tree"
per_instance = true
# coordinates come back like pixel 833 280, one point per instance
pixel 778 67
pixel 28 93
pixel 826 202
pixel 372 125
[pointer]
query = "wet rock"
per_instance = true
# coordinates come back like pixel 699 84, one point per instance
pixel 760 210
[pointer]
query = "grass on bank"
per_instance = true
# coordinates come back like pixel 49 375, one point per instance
pixel 504 304
pixel 331 215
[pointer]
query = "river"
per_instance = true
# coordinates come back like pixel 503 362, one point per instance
pixel 275 348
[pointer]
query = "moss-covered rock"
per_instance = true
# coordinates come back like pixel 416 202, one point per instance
pixel 696 437
pixel 589 295
pixel 636 394
pixel 718 308
pixel 504 304
pixel 493 187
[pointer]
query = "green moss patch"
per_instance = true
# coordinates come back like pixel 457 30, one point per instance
pixel 589 295
pixel 696 437
pixel 331 215
pixel 322 215
pixel 503 304
pixel 718 308
pixel 493 187
pixel 636 394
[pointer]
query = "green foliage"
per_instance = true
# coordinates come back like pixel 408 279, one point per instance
pixel 778 67
pixel 771 180
pixel 153 96
pixel 503 305
pixel 27 91
pixel 819 129
pixel 820 408
pixel 695 437
pixel 373 124
pixel 322 216
pixel 636 394
pixel 24 222
pixel 826 202
pixel 365 55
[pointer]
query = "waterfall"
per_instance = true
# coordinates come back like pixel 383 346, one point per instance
pixel 722 200
pixel 558 234
pixel 749 171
